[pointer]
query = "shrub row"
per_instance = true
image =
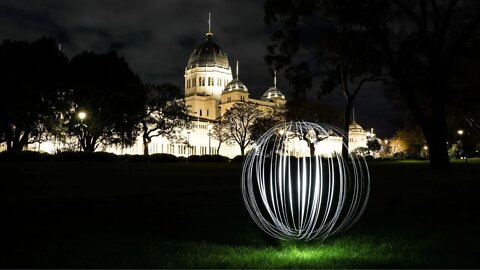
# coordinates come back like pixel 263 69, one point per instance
pixel 29 156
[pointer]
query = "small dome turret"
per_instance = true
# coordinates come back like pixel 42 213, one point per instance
pixel 273 92
pixel 235 85
pixel 355 127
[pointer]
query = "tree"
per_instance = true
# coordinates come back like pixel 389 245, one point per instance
pixel 164 113
pixel 409 140
pixel 374 145
pixel 111 95
pixel 238 121
pixel 32 90
pixel 220 132
pixel 421 41
pixel 266 121
pixel 334 34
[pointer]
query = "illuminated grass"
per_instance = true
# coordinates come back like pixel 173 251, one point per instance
pixel 115 215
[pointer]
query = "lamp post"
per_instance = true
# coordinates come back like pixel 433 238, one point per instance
pixel 209 126
pixel 188 144
pixel 460 133
pixel 82 116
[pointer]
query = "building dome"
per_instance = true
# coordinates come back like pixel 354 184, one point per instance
pixel 355 128
pixel 235 85
pixel 208 54
pixel 273 92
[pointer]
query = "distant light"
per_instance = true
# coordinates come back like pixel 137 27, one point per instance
pixel 292 194
pixel 425 147
pixel 82 115
pixel 460 132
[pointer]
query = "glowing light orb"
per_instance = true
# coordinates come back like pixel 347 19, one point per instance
pixel 297 185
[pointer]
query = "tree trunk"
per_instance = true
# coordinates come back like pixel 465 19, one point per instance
pixel 242 150
pixel 346 125
pixel 436 135
pixel 89 144
pixel 146 138
pixel 312 149
pixel 146 143
pixel 218 148
pixel 20 141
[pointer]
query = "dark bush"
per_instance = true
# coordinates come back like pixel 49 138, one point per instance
pixel 123 157
pixel 369 158
pixel 238 159
pixel 182 159
pixel 208 158
pixel 163 158
pixel 103 156
pixel 71 156
pixel 24 156
pixel 138 158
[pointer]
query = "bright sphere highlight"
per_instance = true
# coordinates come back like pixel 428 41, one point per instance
pixel 297 185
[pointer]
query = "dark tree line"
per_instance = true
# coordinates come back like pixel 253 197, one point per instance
pixel 413 46
pixel 42 94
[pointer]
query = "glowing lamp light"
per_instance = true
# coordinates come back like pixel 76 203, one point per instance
pixel 295 187
pixel 82 115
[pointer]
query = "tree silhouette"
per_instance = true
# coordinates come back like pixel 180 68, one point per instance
pixel 220 132
pixel 32 90
pixel 238 121
pixel 164 113
pixel 419 41
pixel 420 56
pixel 333 34
pixel 112 96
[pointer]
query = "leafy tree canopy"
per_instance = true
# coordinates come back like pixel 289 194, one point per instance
pixel 111 95
pixel 32 89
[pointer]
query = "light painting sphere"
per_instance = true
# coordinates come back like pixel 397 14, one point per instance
pixel 297 185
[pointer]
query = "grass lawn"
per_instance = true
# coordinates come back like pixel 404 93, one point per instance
pixel 153 215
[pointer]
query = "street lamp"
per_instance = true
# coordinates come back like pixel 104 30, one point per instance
pixel 460 132
pixel 209 126
pixel 82 115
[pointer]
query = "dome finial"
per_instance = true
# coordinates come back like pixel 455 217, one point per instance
pixel 353 114
pixel 275 78
pixel 237 69
pixel 209 33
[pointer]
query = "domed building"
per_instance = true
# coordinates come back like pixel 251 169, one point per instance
pixel 357 136
pixel 206 75
pixel 211 90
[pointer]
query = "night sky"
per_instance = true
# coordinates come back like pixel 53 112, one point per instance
pixel 157 37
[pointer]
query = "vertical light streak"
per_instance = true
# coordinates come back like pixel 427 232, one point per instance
pixel 293 195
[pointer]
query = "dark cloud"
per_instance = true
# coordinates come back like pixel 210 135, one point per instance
pixel 157 37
